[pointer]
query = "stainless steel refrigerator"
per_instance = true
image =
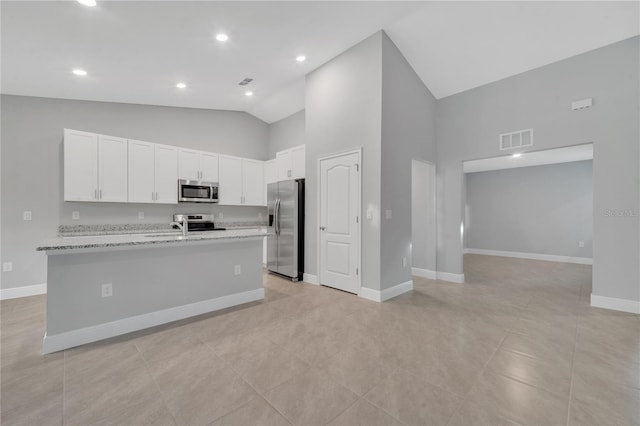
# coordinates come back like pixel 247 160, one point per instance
pixel 285 238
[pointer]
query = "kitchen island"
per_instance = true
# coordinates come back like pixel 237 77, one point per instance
pixel 108 285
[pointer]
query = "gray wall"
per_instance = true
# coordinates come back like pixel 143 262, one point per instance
pixel 32 134
pixel 541 209
pixel 408 133
pixel 468 125
pixel 286 133
pixel 343 111
pixel 423 215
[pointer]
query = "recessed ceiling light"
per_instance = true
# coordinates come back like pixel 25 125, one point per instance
pixel 181 85
pixel 301 58
pixel 516 155
pixel 79 72
pixel 222 37
pixel 87 2
pixel 248 93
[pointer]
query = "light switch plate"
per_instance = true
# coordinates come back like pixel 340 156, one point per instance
pixel 581 244
pixel 75 215
pixel 237 270
pixel 388 214
pixel 7 267
pixel 27 215
pixel 140 215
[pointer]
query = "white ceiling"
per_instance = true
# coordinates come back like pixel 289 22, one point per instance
pixel 535 158
pixel 135 52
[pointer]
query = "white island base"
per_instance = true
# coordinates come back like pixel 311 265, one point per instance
pixel 152 285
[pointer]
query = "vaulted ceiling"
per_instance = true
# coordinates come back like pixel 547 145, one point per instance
pixel 136 51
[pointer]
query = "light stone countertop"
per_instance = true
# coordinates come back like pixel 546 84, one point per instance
pixel 84 242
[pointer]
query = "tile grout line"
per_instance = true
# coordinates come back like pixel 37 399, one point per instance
pixel 573 360
pixel 466 395
pixel 377 406
pixel 146 367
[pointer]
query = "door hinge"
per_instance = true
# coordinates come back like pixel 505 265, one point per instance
pixel 357 219
pixel 356 271
pixel 357 167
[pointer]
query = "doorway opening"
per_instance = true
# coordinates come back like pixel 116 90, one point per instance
pixel 528 207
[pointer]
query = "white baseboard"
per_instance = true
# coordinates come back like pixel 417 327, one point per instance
pixel 94 333
pixel 386 294
pixel 424 273
pixel 309 278
pixel 532 256
pixel 25 291
pixel 451 277
pixel 624 305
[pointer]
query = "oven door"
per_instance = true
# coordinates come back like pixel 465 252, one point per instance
pixel 193 191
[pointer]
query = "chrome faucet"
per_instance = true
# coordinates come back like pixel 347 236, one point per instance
pixel 184 226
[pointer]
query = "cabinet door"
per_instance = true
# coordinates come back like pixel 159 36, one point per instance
pixel 141 172
pixel 189 164
pixel 209 167
pixel 270 172
pixel 112 169
pixel 283 158
pixel 80 166
pixel 297 162
pixel 230 180
pixel 253 182
pixel 166 174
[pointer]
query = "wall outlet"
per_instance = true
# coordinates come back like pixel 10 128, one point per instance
pixel 7 267
pixel 140 215
pixel 107 290
pixel 237 270
pixel 581 244
pixel 27 215
pixel 220 215
pixel 75 215
pixel 388 214
pixel 404 262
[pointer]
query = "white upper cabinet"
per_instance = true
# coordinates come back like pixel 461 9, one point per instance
pixel 141 172
pixel 198 165
pixel 153 173
pixel 283 159
pixel 230 180
pixel 209 164
pixel 95 167
pixel 80 166
pixel 166 174
pixel 270 171
pixel 297 162
pixel 112 169
pixel 189 164
pixel 252 182
pixel 291 163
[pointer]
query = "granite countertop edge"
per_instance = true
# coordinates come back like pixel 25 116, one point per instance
pixel 78 242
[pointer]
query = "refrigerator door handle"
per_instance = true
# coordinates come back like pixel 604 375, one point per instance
pixel 276 219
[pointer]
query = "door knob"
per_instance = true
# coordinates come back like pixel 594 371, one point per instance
pixel 322 228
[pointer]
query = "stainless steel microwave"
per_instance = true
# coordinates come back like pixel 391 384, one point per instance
pixel 197 191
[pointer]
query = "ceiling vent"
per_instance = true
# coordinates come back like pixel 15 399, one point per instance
pixel 245 81
pixel 518 139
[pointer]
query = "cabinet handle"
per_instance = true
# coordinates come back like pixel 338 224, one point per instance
pixel 101 194
pixel 95 194
pixel 152 196
pixel 156 196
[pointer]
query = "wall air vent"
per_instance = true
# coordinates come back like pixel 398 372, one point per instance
pixel 245 81
pixel 517 139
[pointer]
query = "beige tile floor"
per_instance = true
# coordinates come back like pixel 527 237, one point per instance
pixel 517 344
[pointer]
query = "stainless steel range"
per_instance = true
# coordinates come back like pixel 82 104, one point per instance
pixel 196 222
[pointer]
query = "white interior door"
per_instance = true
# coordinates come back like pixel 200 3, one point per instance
pixel 339 222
